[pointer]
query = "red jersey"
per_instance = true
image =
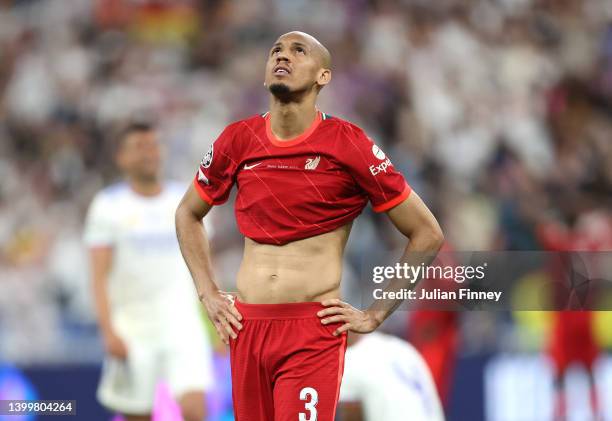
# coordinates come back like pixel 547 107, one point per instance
pixel 293 189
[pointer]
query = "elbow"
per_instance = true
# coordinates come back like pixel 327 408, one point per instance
pixel 430 237
pixel 436 237
pixel 186 217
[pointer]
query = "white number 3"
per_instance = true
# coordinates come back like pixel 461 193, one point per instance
pixel 305 394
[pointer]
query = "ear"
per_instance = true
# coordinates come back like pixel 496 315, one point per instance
pixel 324 77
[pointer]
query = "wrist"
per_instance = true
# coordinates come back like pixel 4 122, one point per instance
pixel 377 316
pixel 208 290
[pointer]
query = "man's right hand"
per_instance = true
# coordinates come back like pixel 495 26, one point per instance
pixel 224 315
pixel 115 346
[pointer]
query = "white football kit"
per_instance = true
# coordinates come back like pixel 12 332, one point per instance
pixel 153 304
pixel 390 379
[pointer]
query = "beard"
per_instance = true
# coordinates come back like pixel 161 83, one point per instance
pixel 281 91
pixel 146 175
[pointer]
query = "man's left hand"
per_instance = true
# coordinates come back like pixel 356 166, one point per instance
pixel 354 320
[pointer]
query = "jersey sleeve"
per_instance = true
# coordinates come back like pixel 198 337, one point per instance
pixel 373 171
pixel 217 170
pixel 99 230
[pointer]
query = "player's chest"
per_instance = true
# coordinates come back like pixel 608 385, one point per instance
pixel 312 164
pixel 307 177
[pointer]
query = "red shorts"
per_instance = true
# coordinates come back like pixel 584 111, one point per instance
pixel 285 363
pixel 573 340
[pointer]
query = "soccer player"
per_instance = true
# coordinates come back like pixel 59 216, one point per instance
pixel 385 378
pixel 303 176
pixel 573 338
pixel 148 316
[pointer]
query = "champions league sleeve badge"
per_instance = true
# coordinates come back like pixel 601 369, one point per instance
pixel 207 160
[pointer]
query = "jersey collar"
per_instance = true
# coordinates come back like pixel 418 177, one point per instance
pixel 294 141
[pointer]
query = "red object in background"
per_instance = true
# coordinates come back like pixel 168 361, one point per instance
pixel 435 334
pixel 156 13
pixel 572 339
pixel 113 13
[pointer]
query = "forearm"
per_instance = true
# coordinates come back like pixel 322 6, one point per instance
pixel 196 251
pixel 101 261
pixel 421 250
pixel 102 305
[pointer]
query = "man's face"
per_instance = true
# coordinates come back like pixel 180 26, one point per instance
pixel 140 155
pixel 293 64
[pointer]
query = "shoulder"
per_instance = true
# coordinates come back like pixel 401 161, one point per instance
pixel 344 129
pixel 174 186
pixel 251 122
pixel 174 189
pixel 238 133
pixel 107 201
pixel 112 192
pixel 339 123
pixel 349 138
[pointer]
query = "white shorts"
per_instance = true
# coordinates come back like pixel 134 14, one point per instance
pixel 183 363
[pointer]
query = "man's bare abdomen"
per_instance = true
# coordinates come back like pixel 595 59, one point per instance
pixel 304 270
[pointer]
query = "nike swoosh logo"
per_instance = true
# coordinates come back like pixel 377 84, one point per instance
pixel 248 167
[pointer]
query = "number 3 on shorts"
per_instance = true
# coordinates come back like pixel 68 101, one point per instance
pixel 311 397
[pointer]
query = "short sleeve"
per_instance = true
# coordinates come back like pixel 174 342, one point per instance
pixel 373 171
pixel 99 227
pixel 217 170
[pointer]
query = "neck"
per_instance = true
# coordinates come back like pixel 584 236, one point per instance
pixel 291 119
pixel 150 187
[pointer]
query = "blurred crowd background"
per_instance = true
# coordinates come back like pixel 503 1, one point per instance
pixel 498 112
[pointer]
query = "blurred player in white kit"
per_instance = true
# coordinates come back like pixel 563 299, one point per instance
pixel 147 311
pixel 385 378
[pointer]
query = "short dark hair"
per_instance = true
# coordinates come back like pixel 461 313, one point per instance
pixel 131 128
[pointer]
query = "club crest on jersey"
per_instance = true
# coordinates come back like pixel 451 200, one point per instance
pixel 311 163
pixel 207 160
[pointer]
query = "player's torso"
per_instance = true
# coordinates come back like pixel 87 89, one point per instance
pixel 146 258
pixel 303 188
pixel 296 200
pixel 300 271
